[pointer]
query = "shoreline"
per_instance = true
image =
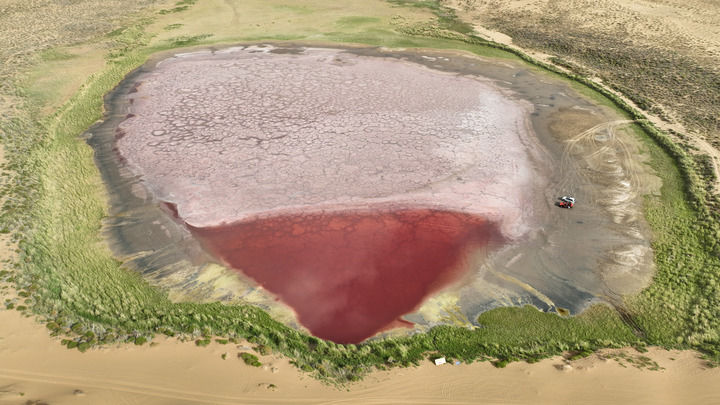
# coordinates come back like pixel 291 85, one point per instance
pixel 157 260
pixel 604 325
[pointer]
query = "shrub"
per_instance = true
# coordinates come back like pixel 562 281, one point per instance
pixel 250 359
pixel 202 342
pixel 263 349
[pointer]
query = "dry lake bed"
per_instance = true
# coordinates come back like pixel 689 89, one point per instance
pixel 352 191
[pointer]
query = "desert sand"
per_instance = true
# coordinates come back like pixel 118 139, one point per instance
pixel 35 367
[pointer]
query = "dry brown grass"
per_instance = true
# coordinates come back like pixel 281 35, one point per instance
pixel 662 54
pixel 28 28
pixel 34 31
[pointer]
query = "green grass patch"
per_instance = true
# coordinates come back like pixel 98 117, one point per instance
pixel 387 38
pixel 682 305
pixel 356 21
pixel 263 349
pixel 250 359
pixel 55 54
pixel 202 342
pixel 186 40
pixel 277 37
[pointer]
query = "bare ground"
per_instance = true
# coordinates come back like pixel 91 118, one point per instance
pixel 36 369
pixel 661 55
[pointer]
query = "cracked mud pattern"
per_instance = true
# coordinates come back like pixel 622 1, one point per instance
pixel 270 158
pixel 360 191
pixel 317 136
pixel 233 134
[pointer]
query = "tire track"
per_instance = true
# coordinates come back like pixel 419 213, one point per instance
pixel 133 388
pixel 573 178
pixel 201 397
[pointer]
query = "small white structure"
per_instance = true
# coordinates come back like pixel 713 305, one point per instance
pixel 440 361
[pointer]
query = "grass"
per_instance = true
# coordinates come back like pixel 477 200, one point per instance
pixel 682 306
pixel 250 359
pixel 177 42
pixel 202 342
pixel 445 16
pixel 356 21
pixel 638 361
pixel 263 349
pixel 70 278
pixel 179 6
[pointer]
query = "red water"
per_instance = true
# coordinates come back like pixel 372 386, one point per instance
pixel 349 275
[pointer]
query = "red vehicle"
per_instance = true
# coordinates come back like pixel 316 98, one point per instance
pixel 566 202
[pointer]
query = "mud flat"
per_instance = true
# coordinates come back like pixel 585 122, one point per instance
pixel 369 188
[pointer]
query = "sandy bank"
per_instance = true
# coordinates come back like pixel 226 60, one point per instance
pixel 171 372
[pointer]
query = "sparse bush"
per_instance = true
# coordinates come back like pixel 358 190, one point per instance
pixel 501 363
pixel 250 359
pixel 263 349
pixel 202 342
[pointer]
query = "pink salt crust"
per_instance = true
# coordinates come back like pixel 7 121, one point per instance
pixel 245 132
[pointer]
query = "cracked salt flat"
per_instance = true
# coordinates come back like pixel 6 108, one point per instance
pixel 230 135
